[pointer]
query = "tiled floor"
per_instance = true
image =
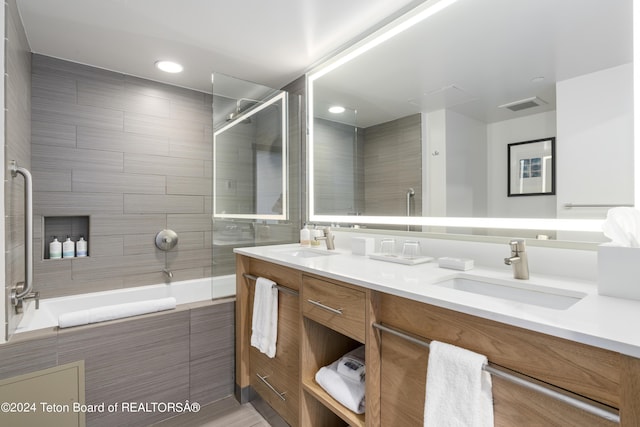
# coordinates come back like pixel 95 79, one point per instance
pixel 224 413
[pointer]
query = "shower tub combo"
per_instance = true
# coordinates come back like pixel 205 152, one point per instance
pixel 178 355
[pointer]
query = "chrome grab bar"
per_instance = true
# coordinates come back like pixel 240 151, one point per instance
pixel 410 193
pixel 18 295
pixel 577 402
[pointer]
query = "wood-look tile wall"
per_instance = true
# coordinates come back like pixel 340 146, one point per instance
pixel 133 155
pixel 387 159
pixel 165 357
pixel 393 164
pixel 17 147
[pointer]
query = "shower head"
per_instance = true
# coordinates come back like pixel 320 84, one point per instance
pixel 238 111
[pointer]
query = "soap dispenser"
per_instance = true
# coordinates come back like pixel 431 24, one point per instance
pixel 81 247
pixel 55 249
pixel 68 248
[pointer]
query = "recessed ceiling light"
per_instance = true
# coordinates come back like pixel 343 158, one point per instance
pixel 336 109
pixel 169 66
pixel 538 79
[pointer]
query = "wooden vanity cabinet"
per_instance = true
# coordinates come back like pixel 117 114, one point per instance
pixel 276 380
pixel 334 322
pixel 328 318
pixel 591 372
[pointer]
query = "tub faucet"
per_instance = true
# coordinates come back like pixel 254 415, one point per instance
pixel 518 259
pixel 329 238
pixel 168 273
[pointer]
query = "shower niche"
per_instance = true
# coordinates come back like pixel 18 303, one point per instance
pixel 60 227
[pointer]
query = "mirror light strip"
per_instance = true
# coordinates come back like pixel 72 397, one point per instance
pixel 591 225
pixel 419 14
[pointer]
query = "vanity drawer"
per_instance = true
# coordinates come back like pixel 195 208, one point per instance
pixel 339 307
pixel 277 382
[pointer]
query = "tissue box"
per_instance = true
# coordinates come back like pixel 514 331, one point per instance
pixel 619 271
pixel 362 245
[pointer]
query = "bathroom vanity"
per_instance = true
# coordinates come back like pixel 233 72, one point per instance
pixel 344 301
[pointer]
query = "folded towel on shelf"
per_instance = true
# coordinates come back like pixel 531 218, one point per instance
pixel 458 390
pixel 264 325
pixel 347 391
pixel 116 311
pixel 351 365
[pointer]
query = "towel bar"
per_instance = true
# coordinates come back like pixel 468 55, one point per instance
pixel 608 414
pixel 278 287
pixel 594 205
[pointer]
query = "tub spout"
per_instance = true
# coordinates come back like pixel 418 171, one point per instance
pixel 168 273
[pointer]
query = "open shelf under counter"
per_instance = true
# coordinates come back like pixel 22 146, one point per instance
pixel 350 417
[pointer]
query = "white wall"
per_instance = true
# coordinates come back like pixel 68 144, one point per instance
pixel 595 134
pixel 499 135
pixel 466 166
pixel 456 162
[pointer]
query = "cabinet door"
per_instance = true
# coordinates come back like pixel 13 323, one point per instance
pixel 277 379
pixel 570 365
pixel 403 391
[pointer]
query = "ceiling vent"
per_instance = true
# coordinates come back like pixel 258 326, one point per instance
pixel 523 104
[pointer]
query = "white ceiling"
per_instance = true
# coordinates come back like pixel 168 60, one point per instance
pixel 267 42
pixel 477 55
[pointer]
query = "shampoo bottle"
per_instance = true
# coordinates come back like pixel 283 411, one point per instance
pixel 68 248
pixel 81 247
pixel 55 249
pixel 305 237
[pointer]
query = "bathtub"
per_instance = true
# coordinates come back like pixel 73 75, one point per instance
pixel 186 291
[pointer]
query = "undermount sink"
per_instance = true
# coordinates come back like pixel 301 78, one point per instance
pixel 308 253
pixel 525 292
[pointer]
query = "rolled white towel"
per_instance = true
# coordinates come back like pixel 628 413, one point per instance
pixel 116 311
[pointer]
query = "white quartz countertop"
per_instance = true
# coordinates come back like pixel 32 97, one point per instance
pixel 601 321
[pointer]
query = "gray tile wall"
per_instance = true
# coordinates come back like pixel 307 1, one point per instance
pixel 175 356
pixel 393 164
pixel 338 156
pixel 133 155
pixel 388 161
pixel 17 147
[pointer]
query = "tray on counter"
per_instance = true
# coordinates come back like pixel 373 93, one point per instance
pixel 399 259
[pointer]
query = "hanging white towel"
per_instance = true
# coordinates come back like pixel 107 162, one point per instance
pixel 264 325
pixel 458 390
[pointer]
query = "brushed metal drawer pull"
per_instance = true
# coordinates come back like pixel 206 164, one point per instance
pixel 264 380
pixel 326 307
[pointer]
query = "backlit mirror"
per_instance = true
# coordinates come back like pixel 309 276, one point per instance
pixel 431 102
pixel 250 151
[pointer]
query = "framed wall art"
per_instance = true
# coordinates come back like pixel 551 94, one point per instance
pixel 531 168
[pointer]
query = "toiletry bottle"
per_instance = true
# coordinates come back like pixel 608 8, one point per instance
pixel 68 248
pixel 55 249
pixel 316 233
pixel 305 237
pixel 81 247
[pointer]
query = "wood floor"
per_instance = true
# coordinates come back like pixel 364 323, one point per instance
pixel 223 413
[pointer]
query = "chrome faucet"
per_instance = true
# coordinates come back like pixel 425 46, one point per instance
pixel 329 238
pixel 518 259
